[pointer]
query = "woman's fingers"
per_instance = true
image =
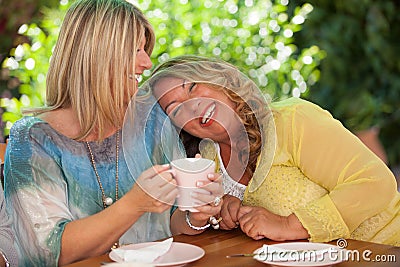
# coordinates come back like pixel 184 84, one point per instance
pixel 208 209
pixel 151 172
pixel 159 184
pixel 205 212
pixel 243 210
pixel 200 198
pixel 208 191
pixel 213 184
pixel 229 212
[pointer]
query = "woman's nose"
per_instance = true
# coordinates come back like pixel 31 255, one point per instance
pixel 191 107
pixel 144 61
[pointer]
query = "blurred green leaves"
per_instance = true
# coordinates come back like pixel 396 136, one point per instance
pixel 360 81
pixel 28 65
pixel 256 36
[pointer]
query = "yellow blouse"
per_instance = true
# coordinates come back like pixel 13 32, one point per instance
pixel 328 178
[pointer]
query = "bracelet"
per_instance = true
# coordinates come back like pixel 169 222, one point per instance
pixel 5 258
pixel 192 226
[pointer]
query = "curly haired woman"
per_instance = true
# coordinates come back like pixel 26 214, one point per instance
pixel 291 171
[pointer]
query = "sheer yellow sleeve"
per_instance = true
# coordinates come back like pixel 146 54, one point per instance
pixel 359 184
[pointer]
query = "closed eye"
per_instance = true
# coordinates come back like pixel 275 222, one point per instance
pixel 192 86
pixel 175 110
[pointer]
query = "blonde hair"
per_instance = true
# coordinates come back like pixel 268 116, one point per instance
pixel 251 106
pixel 92 61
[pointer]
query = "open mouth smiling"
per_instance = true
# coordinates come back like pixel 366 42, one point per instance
pixel 206 120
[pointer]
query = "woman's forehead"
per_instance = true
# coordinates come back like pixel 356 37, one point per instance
pixel 165 84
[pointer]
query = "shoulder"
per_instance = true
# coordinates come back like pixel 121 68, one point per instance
pixel 294 104
pixel 26 122
pixel 295 118
pixel 22 135
pixel 299 109
pixel 33 142
pixel 31 132
pixel 21 129
pixel 20 147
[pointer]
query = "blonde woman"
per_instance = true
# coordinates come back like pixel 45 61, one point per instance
pixel 291 171
pixel 73 188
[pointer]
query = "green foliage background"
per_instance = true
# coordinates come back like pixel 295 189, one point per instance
pixel 360 76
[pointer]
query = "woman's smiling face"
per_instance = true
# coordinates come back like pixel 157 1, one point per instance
pixel 200 109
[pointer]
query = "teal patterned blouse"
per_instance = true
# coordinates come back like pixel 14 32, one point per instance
pixel 49 181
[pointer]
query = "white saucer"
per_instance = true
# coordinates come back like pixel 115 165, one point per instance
pixel 179 254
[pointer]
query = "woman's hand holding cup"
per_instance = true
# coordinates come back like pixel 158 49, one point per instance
pixel 156 189
pixel 209 200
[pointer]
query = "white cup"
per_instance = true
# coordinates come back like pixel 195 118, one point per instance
pixel 187 172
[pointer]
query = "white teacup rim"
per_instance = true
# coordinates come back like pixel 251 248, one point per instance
pixel 205 163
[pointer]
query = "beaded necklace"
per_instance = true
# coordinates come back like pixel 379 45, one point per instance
pixel 107 201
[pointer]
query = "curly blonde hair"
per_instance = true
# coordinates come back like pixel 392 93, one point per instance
pixel 250 103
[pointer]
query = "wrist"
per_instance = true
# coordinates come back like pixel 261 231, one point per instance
pixel 124 206
pixel 192 225
pixel 296 228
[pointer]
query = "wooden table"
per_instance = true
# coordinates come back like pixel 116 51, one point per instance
pixel 219 244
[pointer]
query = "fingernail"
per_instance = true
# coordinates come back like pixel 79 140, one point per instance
pixel 199 183
pixel 165 165
pixel 210 175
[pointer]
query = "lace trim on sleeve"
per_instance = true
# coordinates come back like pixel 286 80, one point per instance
pixel 233 188
pixel 322 220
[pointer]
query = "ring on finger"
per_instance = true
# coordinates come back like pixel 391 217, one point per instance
pixel 217 201
pixel 214 222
